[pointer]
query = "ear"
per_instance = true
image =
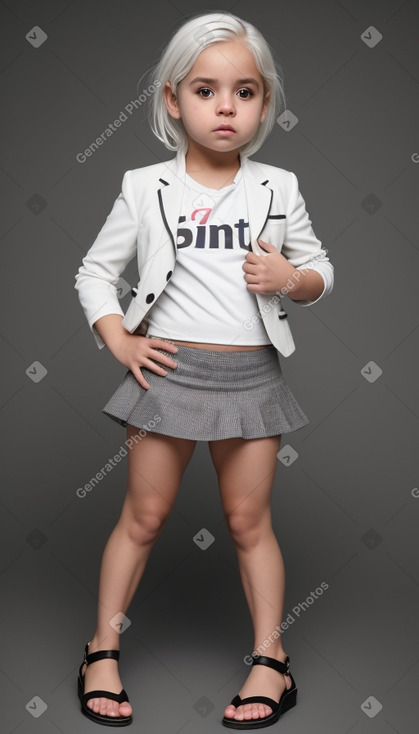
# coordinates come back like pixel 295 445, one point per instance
pixel 171 101
pixel 265 106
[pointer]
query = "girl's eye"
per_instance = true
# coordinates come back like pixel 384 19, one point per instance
pixel 248 92
pixel 206 89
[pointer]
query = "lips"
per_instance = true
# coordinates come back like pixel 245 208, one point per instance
pixel 225 127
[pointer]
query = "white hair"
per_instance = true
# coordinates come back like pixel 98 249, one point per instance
pixel 180 54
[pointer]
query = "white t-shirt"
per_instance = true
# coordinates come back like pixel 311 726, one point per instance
pixel 206 300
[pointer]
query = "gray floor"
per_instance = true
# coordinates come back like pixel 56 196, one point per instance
pixel 345 510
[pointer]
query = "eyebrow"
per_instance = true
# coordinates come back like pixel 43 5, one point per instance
pixel 206 80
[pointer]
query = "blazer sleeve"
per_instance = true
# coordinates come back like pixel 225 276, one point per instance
pixel 301 246
pixel 107 258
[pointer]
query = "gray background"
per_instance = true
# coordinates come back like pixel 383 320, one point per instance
pixel 345 511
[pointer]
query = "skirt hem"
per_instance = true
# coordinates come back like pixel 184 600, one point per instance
pixel 218 437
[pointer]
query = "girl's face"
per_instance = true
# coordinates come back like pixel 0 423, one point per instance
pixel 223 87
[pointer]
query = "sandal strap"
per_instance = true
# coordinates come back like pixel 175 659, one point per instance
pixel 119 697
pixel 272 663
pixel 99 655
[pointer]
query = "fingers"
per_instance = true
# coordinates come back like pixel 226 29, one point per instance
pixel 156 355
pixel 135 369
pixel 152 361
pixel 162 344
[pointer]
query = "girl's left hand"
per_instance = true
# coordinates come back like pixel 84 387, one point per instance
pixel 267 274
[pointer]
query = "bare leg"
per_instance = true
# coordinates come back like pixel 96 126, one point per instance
pixel 156 464
pixel 246 470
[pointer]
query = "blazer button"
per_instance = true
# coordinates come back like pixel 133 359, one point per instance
pixel 134 292
pixel 283 315
pixel 169 274
pixel 150 298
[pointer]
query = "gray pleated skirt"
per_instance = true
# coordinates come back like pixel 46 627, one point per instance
pixel 210 395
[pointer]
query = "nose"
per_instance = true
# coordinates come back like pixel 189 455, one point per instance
pixel 226 105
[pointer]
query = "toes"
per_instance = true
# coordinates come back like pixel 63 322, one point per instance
pixel 256 711
pixel 94 703
pixel 112 708
pixel 230 711
pixel 248 712
pixel 108 707
pixel 125 709
pixel 264 711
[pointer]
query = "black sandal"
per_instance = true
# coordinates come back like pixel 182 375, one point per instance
pixel 287 700
pixel 85 697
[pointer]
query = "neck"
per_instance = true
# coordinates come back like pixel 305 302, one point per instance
pixel 197 160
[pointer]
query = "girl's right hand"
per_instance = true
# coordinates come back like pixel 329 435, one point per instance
pixel 135 352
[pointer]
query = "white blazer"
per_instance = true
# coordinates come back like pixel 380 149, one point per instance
pixel 144 222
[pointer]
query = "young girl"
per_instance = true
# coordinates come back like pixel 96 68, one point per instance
pixel 219 240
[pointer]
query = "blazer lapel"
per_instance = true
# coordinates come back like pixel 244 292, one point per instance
pixel 170 194
pixel 259 199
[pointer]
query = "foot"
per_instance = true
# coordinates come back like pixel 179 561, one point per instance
pixel 103 675
pixel 262 681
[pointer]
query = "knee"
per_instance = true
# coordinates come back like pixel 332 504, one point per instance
pixel 144 529
pixel 245 529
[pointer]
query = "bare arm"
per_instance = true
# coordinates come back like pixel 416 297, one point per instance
pixel 308 287
pixel 110 328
